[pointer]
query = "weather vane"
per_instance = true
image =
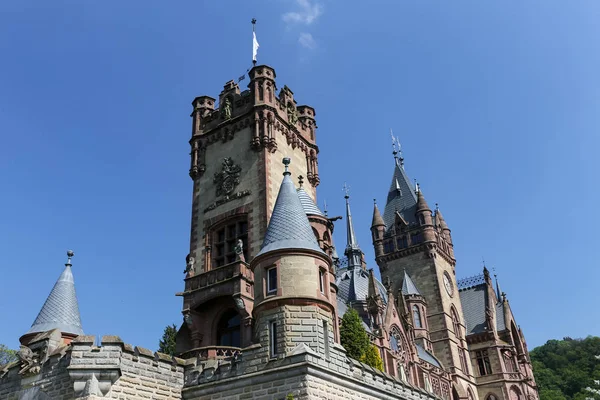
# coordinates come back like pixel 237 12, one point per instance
pixel 346 189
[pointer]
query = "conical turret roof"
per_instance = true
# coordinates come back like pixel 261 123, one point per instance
pixel 288 227
pixel 61 310
pixel 377 219
pixel 440 219
pixel 309 206
pixel 421 202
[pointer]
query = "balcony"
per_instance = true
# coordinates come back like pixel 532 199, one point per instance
pixel 228 272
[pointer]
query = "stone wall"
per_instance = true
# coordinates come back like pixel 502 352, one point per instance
pixel 302 372
pixel 82 370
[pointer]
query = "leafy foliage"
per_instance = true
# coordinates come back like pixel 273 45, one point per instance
pixel 566 369
pixel 167 343
pixel 372 358
pixel 7 355
pixel 353 336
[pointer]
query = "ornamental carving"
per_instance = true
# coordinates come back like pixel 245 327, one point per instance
pixel 228 178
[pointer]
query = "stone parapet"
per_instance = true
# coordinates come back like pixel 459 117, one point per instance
pixel 302 372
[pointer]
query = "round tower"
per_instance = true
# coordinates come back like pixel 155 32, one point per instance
pixel 294 281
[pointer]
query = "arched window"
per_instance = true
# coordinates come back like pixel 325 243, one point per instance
pixel 514 393
pixel 417 317
pixel 316 233
pixel 470 394
pixel 327 238
pixel 491 397
pixel 456 323
pixel 228 329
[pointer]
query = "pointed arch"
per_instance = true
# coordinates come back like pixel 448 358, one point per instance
pixel 455 322
pixel 417 317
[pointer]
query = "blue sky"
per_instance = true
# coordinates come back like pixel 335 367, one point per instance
pixel 496 105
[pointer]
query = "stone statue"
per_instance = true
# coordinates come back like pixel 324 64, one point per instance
pixel 292 114
pixel 239 250
pixel 226 109
pixel 189 269
pixel 28 359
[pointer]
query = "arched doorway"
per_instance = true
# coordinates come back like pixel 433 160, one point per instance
pixel 228 329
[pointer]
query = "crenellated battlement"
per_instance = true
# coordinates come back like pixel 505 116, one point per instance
pixel 83 369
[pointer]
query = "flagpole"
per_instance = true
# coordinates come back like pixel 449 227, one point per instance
pixel 254 39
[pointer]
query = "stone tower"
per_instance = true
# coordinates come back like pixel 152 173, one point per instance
pixel 236 153
pixel 410 240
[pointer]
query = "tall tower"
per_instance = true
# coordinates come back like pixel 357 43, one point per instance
pixel 236 153
pixel 410 240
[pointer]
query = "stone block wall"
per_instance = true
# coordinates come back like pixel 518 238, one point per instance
pixel 303 372
pixel 82 370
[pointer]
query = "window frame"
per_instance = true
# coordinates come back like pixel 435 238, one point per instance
pixel 322 281
pixel 224 240
pixel 273 339
pixel 271 280
pixel 483 362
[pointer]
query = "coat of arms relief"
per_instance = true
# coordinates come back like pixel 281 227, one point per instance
pixel 228 178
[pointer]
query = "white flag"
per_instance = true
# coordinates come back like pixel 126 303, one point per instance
pixel 254 46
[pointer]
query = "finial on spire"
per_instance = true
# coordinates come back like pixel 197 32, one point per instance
pixel 286 162
pixel 417 187
pixel 300 180
pixel 395 150
pixel 375 201
pixel 325 207
pixel 70 254
pixel 346 191
pixel 437 207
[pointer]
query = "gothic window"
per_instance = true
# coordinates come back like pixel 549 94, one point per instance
pixel 402 242
pixel 417 317
pixel 272 280
pixel 483 362
pixel 261 95
pixel 416 238
pixel 394 343
pixel 388 246
pixel 456 323
pixel 228 329
pixel 269 93
pixel 514 393
pixel 225 238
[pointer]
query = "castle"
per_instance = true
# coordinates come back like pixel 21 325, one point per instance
pixel 265 290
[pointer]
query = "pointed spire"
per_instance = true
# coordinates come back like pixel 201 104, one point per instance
pixel 353 252
pixel 288 227
pixel 377 219
pixel 401 195
pixel 498 291
pixel 61 310
pixel 421 203
pixel 440 218
pixel 408 286
pixel 373 292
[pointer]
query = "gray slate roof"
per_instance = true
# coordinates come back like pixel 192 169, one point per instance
pixel 401 198
pixel 408 286
pixel 309 206
pixel 472 299
pixel 353 285
pixel 61 310
pixel 427 356
pixel 288 227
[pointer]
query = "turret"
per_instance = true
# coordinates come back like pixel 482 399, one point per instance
pixel 424 217
pixel 61 309
pixel 377 230
pixel 417 308
pixel 293 278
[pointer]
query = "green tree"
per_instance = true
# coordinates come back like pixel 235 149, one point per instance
pixel 353 336
pixel 7 355
pixel 167 343
pixel 372 358
pixel 567 369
